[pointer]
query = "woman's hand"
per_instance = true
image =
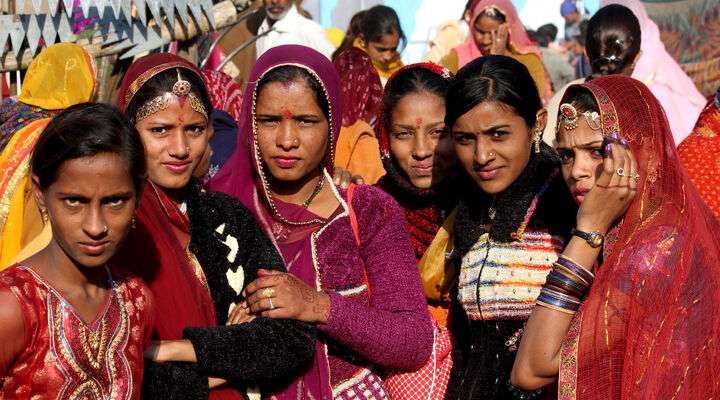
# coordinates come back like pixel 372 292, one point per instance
pixel 614 190
pixel 343 178
pixel 240 314
pixel 500 40
pixel 283 296
pixel 161 351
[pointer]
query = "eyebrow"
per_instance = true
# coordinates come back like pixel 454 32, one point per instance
pixel 432 124
pixel 580 146
pixel 298 116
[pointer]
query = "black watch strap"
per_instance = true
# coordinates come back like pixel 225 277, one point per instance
pixel 594 239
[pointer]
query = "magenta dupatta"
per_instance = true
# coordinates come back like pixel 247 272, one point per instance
pixel 241 177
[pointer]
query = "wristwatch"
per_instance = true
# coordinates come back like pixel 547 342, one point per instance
pixel 594 239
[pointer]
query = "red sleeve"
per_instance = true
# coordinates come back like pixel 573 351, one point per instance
pixel 12 329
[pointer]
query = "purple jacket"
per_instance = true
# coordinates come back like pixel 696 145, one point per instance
pixel 390 328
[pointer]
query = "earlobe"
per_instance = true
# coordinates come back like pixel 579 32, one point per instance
pixel 37 192
pixel 541 119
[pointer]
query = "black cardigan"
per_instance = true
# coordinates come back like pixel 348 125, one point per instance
pixel 256 353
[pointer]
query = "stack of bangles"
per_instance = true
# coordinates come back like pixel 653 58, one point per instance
pixel 566 286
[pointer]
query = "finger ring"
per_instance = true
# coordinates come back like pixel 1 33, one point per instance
pixel 272 306
pixel 620 172
pixel 268 292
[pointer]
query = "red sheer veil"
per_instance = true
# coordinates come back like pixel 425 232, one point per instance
pixel 650 325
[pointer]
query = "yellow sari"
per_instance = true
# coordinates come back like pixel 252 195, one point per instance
pixel 385 71
pixel 62 75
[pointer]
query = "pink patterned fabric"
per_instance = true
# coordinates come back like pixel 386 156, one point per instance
pixel 430 382
pixel 67 358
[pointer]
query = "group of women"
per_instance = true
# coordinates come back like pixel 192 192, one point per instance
pixel 484 264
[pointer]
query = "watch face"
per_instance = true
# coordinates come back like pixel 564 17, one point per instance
pixel 595 239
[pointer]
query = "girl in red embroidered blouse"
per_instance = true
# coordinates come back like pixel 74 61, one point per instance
pixel 72 323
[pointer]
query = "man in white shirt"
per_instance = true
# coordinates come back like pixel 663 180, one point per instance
pixel 289 27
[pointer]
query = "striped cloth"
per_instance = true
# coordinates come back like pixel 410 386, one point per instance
pixel 511 275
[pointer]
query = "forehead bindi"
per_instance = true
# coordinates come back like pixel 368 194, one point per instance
pixel 287 99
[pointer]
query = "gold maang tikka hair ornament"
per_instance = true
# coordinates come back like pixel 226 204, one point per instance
pixel 569 117
pixel 180 90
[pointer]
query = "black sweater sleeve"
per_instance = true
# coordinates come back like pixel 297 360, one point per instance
pixel 173 381
pixel 231 247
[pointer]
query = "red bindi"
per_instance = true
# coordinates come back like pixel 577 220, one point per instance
pixel 418 121
pixel 286 114
pixel 181 119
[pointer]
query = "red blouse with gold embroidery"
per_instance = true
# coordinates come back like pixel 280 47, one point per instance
pixel 67 358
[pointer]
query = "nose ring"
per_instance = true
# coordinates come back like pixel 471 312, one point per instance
pixel 491 154
pixel 105 229
pixel 187 149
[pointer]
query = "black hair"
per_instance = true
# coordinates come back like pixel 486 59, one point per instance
pixel 493 78
pixel 613 39
pixel 549 31
pixel 351 34
pixel 85 130
pixel 163 83
pixel 582 37
pixel 289 73
pixel 581 98
pixel 378 21
pixel 410 81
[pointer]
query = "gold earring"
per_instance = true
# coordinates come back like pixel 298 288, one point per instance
pixel 44 216
pixel 132 222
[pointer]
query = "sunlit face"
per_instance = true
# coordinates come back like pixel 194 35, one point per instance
pixel 582 157
pixel 175 141
pixel 493 145
pixel 483 32
pixel 90 207
pixel 419 140
pixel 384 50
pixel 277 9
pixel 292 131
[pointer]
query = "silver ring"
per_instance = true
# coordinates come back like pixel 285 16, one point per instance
pixel 272 307
pixel 620 172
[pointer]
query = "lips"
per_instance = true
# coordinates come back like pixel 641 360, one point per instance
pixel 177 167
pixel 422 169
pixel 579 194
pixel 286 162
pixel 94 248
pixel 488 173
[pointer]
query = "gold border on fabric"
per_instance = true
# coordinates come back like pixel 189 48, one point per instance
pixel 567 376
pixel 258 159
pixel 145 76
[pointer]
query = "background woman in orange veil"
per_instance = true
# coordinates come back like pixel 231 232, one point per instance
pixel 645 325
pixel 62 75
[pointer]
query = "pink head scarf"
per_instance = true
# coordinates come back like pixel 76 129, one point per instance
pixel 519 39
pixel 655 67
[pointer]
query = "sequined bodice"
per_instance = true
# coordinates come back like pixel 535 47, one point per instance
pixel 67 358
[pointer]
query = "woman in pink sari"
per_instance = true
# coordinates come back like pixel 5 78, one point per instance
pixel 348 251
pixel 644 326
pixel 495 28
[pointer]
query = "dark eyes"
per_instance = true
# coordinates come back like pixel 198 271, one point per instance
pixel 464 138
